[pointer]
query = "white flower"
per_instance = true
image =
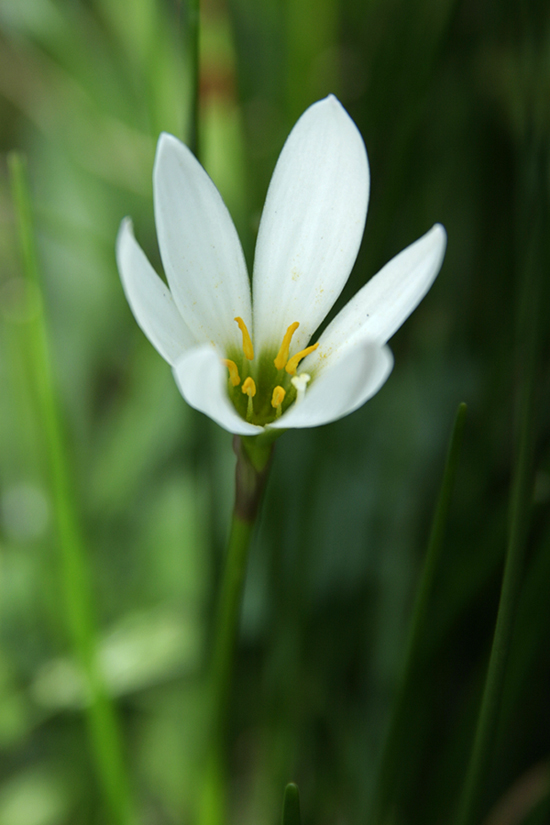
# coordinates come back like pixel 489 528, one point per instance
pixel 243 359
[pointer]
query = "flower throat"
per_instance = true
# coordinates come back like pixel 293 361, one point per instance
pixel 263 390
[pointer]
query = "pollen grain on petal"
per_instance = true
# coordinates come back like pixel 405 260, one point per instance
pixel 292 365
pixel 234 376
pixel 278 397
pixel 249 387
pixel 248 349
pixel 282 355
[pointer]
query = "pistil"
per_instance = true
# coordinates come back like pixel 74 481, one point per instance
pixel 300 382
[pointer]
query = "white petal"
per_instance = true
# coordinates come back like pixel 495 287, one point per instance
pixel 149 298
pixel 199 246
pixel 387 300
pixel 202 380
pixel 341 388
pixel 311 226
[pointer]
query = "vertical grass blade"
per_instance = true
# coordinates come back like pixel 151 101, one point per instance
pixel 521 488
pixel 291 805
pixel 388 770
pixel 105 738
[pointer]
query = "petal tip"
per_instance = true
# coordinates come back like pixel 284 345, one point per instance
pixel 332 100
pixel 126 225
pixel 166 139
pixel 439 236
pixel 439 229
pixel 168 146
pixel 125 231
pixel 332 105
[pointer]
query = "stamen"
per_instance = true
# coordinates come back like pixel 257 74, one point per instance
pixel 248 349
pixel 249 387
pixel 278 397
pixel 300 382
pixel 234 376
pixel 282 355
pixel 277 400
pixel 292 365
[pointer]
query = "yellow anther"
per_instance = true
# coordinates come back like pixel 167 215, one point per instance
pixel 249 387
pixel 282 355
pixel 278 397
pixel 234 376
pixel 292 365
pixel 248 349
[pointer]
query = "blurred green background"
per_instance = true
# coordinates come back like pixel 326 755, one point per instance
pixel 453 100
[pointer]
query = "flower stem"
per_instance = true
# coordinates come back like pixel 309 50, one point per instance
pixel 105 737
pixel 253 463
pixel 228 616
pixel 388 763
pixel 250 478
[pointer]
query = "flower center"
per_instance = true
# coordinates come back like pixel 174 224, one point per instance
pixel 269 384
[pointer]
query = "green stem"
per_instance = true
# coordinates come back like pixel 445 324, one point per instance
pixel 228 617
pixel 106 742
pixel 388 767
pixel 253 463
pixel 520 506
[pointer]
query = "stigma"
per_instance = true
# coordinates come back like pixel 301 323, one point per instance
pixel 300 382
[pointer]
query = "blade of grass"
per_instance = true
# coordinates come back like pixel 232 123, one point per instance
pixel 388 763
pixel 105 736
pixel 291 806
pixel 521 488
